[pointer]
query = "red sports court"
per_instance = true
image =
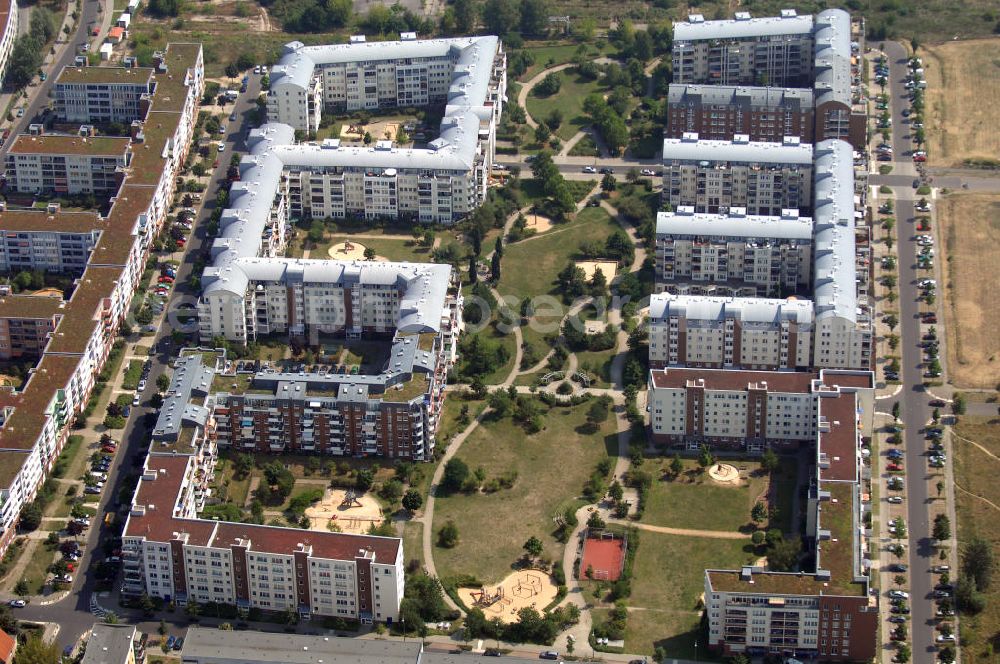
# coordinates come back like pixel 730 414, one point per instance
pixel 604 555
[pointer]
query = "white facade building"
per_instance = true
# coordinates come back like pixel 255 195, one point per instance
pixel 715 176
pixel 718 332
pixel 9 17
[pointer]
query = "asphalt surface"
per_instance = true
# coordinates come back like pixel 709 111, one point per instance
pixel 39 94
pixel 913 398
pixel 73 613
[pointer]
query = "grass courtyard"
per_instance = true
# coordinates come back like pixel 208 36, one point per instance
pixel 975 484
pixel 694 501
pixel 537 496
pixel 569 101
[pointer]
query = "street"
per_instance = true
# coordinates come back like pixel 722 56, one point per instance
pixel 73 612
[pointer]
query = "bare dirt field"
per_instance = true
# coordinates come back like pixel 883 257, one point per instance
pixel 521 589
pixel 609 268
pixel 970 227
pixel 963 92
pixel 333 511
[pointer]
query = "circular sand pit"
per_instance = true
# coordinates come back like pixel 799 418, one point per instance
pixel 608 268
pixel 8 381
pixel 349 251
pixel 724 473
pixel 521 589
pixel 344 510
pixel 537 222
pixel 49 292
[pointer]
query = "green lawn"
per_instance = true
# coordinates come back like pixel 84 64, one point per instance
pixel 976 473
pixel 449 417
pixel 695 501
pixel 555 54
pixel 598 363
pixel 37 569
pixel 528 508
pixel 391 248
pixel 413 547
pixel 669 570
pixel 673 630
pixel 132 375
pixel 569 100
pixel 531 265
pixel 585 147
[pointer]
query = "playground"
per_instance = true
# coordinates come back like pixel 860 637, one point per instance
pixel 349 251
pixel 603 555
pixel 609 268
pixel 537 222
pixel 524 588
pixel 379 131
pixel 48 292
pixel 346 510
pixel 724 473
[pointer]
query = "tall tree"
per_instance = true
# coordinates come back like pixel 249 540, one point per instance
pixel 501 16
pixel 465 15
pixel 495 268
pixel 534 17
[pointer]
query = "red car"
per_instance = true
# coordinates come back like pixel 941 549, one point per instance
pixel 109 449
pixel 894 466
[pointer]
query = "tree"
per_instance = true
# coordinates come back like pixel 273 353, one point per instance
pixel 465 16
pixel 759 512
pixel 534 17
pixel 147 605
pixel 769 461
pixel 958 403
pixel 942 528
pixel 940 487
pixel 705 457
pixel 495 268
pixel 599 410
pixel 902 653
pixel 499 16
pixel 895 410
pixel 37 651
pixel 448 535
pixel 757 537
pixel 608 183
pixel 978 562
pixel 498 246
pixel 391 491
pixel 784 555
pixel 533 547
pixel 456 472
pixel 615 491
pixel 31 516
pixel 967 597
pixel 369 254
pixel 412 500
pixel 243 464
pixel 364 480
pixel 946 655
pixel 595 521
pixel 21 588
pixel 676 466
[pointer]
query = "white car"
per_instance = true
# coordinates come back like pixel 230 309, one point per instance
pixel 589 169
pixel 899 594
pixel 137 399
pixel 142 386
pixel 945 638
pixel 222 146
pixel 895 500
pixel 647 171
pixel 18 603
pixel 499 167
pixel 927 283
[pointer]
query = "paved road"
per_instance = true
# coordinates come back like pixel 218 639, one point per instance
pixel 73 612
pixel 914 399
pixel 40 93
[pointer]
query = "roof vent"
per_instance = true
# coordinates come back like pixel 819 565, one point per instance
pixel 742 16
pixel 696 18
pixel 788 13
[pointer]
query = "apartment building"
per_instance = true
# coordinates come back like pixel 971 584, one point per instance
pixel 112 644
pixel 9 18
pixel 36 417
pixel 828 614
pixel 169 553
pixel 721 112
pixel 720 332
pixel 94 95
pixel 50 241
pixel 393 413
pixel 745 410
pixel 715 176
pixel 733 253
pixel 844 335
pixel 439 182
pixel 26 323
pixel 68 164
pixel 819 54
pixel 773 50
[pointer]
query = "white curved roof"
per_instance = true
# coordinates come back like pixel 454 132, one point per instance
pixel 691 148
pixel 789 24
pixel 684 221
pixel 834 270
pixel 717 308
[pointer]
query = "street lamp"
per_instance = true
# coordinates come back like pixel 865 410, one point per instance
pixel 696 650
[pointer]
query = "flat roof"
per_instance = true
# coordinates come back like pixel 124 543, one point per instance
pixel 171 88
pixel 698 29
pixel 148 156
pixel 21 429
pixel 211 645
pixel 108 644
pixel 115 245
pixel 105 75
pixel 30 306
pixel 734 380
pixel 94 146
pixel 691 148
pixel 839 445
pixel 41 221
pixel 83 313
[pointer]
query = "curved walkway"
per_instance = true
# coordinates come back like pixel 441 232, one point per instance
pixel 522 95
pixel 974 495
pixel 972 442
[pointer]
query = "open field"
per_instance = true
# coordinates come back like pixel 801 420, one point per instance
pixel 963 89
pixel 413 535
pixel 530 266
pixel 492 527
pixel 695 501
pixel 970 226
pixel 555 53
pixel 975 473
pixel 569 100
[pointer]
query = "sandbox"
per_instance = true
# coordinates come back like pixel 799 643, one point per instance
pixel 350 251
pixel 537 222
pixel 724 473
pixel 609 268
pixel 48 292
pixel 350 516
pixel 521 589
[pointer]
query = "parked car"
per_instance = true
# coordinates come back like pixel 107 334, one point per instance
pixel 895 500
pixel 894 467
pixel 899 594
pixel 940 569
pixel 171 640
pixel 898 567
pixel 548 654
pixel 589 169
pixel 17 603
